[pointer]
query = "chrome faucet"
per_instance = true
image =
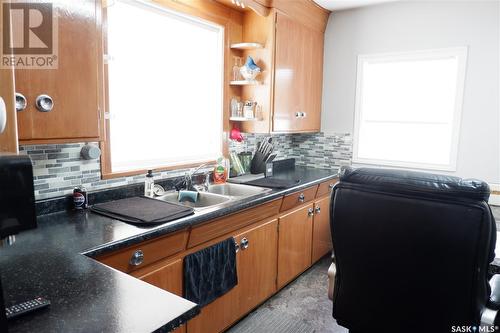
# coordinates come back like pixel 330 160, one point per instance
pixel 188 179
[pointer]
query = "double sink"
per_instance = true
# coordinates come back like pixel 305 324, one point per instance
pixel 216 195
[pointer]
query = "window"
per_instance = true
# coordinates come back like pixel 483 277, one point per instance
pixel 408 108
pixel 165 87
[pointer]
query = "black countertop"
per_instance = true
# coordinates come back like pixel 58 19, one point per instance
pixel 53 261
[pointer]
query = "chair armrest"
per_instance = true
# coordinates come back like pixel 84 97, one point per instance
pixel 331 280
pixel 489 313
pixel 494 300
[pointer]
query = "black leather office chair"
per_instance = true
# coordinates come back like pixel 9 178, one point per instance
pixel 412 251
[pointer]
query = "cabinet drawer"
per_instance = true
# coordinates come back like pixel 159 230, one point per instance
pixel 298 198
pixel 150 251
pixel 226 224
pixel 325 188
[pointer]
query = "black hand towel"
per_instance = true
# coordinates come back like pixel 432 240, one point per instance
pixel 210 273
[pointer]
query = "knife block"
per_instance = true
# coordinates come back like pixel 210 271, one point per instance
pixel 258 164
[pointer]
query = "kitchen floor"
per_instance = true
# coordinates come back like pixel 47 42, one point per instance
pixel 301 307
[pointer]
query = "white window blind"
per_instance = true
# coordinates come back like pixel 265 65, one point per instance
pixel 408 108
pixel 165 78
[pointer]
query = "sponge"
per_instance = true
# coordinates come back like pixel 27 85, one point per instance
pixel 191 196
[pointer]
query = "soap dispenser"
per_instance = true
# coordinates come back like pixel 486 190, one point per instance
pixel 149 184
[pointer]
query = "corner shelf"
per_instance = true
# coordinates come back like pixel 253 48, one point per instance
pixel 247 46
pixel 242 119
pixel 244 83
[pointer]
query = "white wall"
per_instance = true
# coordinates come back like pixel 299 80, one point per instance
pixel 405 26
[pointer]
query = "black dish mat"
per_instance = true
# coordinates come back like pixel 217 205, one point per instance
pixel 273 182
pixel 142 210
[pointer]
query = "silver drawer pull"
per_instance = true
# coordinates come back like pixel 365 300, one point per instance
pixel 310 212
pixel 318 210
pixel 44 103
pixel 236 246
pixel 244 244
pixel 3 115
pixel 331 186
pixel 137 258
pixel 21 102
pixel 302 197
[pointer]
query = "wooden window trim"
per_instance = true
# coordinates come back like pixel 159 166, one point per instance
pixel 214 12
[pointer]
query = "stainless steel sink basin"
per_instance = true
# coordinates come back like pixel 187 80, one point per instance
pixel 236 190
pixel 205 199
pixel 216 195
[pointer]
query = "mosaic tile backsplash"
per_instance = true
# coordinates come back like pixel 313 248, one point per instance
pixel 58 168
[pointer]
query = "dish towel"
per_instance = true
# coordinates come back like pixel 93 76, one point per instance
pixel 210 273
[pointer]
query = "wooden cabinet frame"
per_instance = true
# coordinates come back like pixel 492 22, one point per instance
pixel 8 139
pixel 284 241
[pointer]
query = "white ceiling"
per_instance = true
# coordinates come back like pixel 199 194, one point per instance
pixel 346 4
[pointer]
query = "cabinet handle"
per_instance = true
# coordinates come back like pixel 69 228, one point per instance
pixel 318 210
pixel 3 115
pixel 137 258
pixel 310 212
pixel 244 244
pixel 331 186
pixel 237 246
pixel 302 197
pixel 303 114
pixel 297 114
pixel 21 102
pixel 44 103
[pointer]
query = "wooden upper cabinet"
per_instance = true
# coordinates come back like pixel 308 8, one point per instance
pixel 289 72
pixel 73 86
pixel 298 77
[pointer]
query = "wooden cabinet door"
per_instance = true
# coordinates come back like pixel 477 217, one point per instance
pixel 169 278
pixel 298 77
pixel 322 239
pixel 216 316
pixel 295 240
pixel 313 57
pixel 289 74
pixel 73 86
pixel 257 265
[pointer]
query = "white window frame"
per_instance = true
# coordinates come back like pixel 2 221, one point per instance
pixel 461 54
pixel 160 164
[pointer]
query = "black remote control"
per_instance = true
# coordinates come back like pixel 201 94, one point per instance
pixel 26 307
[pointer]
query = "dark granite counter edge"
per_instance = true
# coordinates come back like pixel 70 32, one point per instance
pixel 201 217
pixel 181 320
